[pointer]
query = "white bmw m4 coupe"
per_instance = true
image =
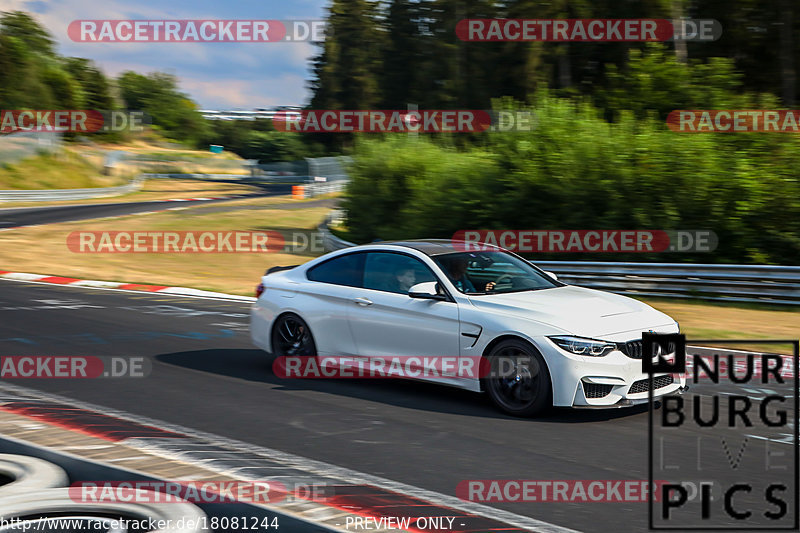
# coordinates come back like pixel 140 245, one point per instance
pixel 544 343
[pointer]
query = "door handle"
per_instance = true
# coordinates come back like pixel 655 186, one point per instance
pixel 363 301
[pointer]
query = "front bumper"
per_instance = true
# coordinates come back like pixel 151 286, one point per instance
pixel 626 402
pixel 614 380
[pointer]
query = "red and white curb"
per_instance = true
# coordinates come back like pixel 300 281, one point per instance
pixel 120 285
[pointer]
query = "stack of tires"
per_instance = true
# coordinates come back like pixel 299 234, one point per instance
pixel 34 496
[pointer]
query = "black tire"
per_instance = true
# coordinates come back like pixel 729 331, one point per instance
pixel 29 474
pixel 518 382
pixel 291 336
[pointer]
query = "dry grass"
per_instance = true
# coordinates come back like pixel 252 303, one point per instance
pixel 141 147
pixel 725 321
pixel 43 249
pixel 173 160
pixel 61 170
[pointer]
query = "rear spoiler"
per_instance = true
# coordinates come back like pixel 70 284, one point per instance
pixel 278 269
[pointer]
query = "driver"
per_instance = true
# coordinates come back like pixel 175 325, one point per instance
pixel 457 270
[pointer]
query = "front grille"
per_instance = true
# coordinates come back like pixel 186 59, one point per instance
pixel 596 390
pixel 632 349
pixel 643 385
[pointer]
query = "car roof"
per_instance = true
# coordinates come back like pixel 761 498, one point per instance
pixel 430 247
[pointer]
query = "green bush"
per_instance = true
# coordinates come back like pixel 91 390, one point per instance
pixel 404 187
pixel 575 170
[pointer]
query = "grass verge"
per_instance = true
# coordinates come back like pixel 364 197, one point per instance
pixel 727 321
pixel 43 249
pixel 63 169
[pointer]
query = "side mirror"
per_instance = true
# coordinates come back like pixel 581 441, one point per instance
pixel 551 274
pixel 427 291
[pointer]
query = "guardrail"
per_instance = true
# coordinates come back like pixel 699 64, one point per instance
pixel 733 283
pixel 195 176
pixel 70 194
pixel 323 187
pixel 736 283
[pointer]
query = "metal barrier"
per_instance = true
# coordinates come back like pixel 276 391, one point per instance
pixel 733 283
pixel 322 187
pixel 69 194
pixel 197 176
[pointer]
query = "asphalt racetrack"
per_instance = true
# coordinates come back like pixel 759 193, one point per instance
pixel 207 376
pixel 11 217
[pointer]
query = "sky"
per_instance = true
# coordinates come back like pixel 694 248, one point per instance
pixel 215 75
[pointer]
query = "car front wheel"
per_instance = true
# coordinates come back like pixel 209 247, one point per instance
pixel 518 381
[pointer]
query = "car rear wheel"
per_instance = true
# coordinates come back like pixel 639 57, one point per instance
pixel 518 382
pixel 291 336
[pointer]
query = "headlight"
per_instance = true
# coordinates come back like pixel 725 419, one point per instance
pixel 582 346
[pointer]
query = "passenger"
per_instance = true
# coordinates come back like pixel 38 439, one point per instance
pixel 405 278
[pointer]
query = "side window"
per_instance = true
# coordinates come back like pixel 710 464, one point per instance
pixel 343 270
pixel 393 272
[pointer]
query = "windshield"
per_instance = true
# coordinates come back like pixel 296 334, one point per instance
pixel 492 272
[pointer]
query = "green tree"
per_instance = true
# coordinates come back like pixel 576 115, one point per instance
pixel 655 80
pixel 20 86
pixel 95 86
pixel 65 90
pixel 346 71
pixel 399 58
pixel 22 26
pixel 170 110
pixel 28 64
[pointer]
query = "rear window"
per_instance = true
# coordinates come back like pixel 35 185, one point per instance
pixel 342 270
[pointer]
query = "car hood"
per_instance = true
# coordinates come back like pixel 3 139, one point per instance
pixel 577 310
